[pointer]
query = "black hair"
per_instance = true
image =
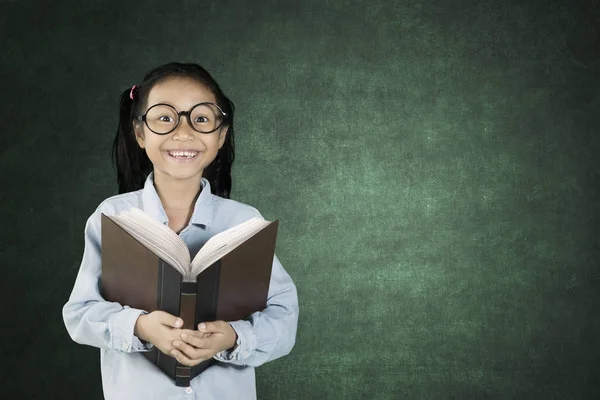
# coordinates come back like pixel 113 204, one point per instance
pixel 132 162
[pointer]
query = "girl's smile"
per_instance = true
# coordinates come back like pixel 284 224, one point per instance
pixel 182 155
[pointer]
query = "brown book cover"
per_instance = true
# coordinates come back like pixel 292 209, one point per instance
pixel 231 289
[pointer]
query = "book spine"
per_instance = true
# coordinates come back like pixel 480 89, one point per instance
pixel 198 304
pixel 207 295
pixel 187 312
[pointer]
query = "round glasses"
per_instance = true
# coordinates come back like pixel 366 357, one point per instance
pixel 163 118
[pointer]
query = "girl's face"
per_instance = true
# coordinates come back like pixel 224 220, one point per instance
pixel 170 153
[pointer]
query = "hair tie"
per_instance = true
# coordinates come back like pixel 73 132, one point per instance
pixel 131 92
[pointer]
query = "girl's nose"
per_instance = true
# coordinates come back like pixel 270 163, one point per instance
pixel 184 131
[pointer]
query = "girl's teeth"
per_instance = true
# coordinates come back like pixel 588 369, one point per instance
pixel 182 154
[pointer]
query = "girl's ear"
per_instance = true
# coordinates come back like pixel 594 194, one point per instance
pixel 139 135
pixel 222 135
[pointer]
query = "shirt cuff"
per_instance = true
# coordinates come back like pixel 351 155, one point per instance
pixel 244 345
pixel 121 326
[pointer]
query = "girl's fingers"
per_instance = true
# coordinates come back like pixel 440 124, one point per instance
pixel 184 359
pixel 189 351
pixel 212 344
pixel 213 326
pixel 190 354
pixel 193 339
pixel 167 319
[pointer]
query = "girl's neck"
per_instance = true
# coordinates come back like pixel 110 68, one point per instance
pixel 177 196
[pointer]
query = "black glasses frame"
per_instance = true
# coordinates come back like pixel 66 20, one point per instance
pixel 179 114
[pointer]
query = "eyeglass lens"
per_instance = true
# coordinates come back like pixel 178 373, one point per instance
pixel 204 118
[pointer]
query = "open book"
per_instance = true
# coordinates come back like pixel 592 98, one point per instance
pixel 171 248
pixel 146 265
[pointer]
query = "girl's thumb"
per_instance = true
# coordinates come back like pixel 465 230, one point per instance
pixel 178 323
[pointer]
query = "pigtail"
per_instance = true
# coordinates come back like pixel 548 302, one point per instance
pixel 218 172
pixel 131 161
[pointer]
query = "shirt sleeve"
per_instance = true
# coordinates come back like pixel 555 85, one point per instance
pixel 271 333
pixel 89 318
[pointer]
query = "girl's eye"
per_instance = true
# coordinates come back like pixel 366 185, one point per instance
pixel 165 118
pixel 201 119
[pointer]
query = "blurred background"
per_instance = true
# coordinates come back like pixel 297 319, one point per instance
pixel 433 164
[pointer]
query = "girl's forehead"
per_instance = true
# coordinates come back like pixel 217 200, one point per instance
pixel 180 92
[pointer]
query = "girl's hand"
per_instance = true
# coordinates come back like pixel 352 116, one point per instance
pixel 193 347
pixel 159 328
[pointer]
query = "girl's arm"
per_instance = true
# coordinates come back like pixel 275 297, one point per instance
pixel 271 333
pixel 89 318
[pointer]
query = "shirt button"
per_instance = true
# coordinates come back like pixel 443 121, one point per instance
pixel 188 390
pixel 124 346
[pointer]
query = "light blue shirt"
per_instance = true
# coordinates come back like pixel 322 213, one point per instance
pixel 126 373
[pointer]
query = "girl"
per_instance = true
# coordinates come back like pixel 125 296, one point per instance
pixel 174 150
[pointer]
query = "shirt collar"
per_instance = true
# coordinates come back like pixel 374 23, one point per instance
pixel 203 210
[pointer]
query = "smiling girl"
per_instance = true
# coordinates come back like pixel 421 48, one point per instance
pixel 174 150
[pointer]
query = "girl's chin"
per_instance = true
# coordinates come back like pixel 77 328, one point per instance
pixel 168 174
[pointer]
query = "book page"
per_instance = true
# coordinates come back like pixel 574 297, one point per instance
pixel 158 238
pixel 167 256
pixel 224 242
pixel 162 233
